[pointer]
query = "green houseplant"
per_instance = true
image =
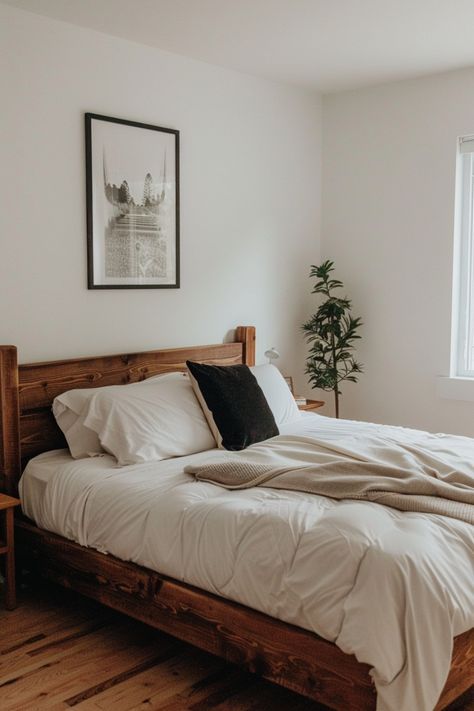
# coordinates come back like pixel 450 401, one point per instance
pixel 331 333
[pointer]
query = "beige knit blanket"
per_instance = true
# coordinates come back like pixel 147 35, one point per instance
pixel 434 475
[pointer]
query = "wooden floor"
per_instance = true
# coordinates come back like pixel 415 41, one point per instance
pixel 59 650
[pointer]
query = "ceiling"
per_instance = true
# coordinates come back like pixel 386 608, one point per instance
pixel 327 45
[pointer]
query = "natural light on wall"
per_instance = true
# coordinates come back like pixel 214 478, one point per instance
pixel 462 347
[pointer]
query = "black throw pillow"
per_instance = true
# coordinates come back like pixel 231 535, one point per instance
pixel 233 403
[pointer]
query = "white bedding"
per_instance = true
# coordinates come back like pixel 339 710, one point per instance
pixel 391 587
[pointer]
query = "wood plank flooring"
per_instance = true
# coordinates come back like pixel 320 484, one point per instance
pixel 59 650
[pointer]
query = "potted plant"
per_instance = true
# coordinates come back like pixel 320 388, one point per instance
pixel 331 333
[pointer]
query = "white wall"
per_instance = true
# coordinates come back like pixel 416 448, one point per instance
pixel 388 211
pixel 250 196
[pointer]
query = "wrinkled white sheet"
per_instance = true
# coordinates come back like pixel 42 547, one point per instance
pixel 391 587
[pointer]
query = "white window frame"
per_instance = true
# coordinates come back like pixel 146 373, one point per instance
pixel 462 343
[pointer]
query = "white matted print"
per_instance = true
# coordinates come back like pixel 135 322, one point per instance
pixel 132 204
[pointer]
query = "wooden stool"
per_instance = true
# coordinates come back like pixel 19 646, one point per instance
pixel 7 548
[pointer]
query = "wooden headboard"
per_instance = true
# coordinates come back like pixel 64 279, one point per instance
pixel 27 426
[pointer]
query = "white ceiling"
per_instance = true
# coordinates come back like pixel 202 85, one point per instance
pixel 327 45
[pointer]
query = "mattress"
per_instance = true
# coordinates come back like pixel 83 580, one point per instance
pixel 391 587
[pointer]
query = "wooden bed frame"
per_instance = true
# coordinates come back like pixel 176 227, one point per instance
pixel 283 653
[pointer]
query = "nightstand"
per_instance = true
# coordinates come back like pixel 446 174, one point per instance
pixel 311 405
pixel 7 547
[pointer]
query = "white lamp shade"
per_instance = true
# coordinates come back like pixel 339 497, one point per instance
pixel 272 354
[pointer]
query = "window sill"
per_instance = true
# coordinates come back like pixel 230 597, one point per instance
pixel 456 388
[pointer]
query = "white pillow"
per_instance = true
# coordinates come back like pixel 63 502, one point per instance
pixel 277 393
pixel 67 410
pixel 70 410
pixel 152 420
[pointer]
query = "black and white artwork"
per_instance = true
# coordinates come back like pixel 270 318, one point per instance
pixel 132 204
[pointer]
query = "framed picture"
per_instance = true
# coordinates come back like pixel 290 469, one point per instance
pixel 132 183
pixel 289 382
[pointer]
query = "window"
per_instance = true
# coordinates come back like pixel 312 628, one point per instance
pixel 462 361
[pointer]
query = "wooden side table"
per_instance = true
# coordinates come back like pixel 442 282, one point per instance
pixel 311 405
pixel 7 547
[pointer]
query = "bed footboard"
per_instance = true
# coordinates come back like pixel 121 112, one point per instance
pixel 287 655
pixel 283 653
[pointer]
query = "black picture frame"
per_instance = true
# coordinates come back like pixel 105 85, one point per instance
pixel 132 242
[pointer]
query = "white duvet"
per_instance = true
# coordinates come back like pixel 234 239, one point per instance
pixel 391 587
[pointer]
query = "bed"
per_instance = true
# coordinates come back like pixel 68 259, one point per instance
pixel 285 653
